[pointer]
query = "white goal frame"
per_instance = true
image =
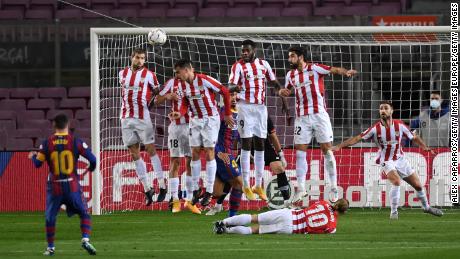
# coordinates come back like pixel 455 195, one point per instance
pixel 94 40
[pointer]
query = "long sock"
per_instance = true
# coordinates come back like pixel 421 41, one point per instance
pixel 50 231
pixel 422 197
pixel 283 185
pixel 174 187
pixel 259 164
pixel 330 168
pixel 235 199
pixel 245 166
pixel 239 220
pixel 156 162
pixel 225 192
pixel 196 169
pixel 85 225
pixel 240 230
pixel 211 167
pixel 394 198
pixel 301 169
pixel 141 171
pixel 189 187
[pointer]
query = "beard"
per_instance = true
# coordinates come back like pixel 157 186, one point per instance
pixel 293 66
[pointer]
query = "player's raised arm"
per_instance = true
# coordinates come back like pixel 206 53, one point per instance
pixel 343 71
pixel 349 142
pixel 234 81
pixel 166 93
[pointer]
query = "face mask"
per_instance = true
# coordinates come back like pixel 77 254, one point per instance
pixel 434 104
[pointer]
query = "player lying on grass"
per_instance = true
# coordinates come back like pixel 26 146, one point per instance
pixel 61 152
pixel 387 134
pixel 319 218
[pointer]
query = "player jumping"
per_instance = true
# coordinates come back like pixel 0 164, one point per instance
pixel 138 85
pixel 312 119
pixel 61 152
pixel 388 133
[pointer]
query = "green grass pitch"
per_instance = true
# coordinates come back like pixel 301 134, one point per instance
pixel 360 234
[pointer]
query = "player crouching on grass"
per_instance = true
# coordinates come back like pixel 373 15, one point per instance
pixel 388 133
pixel 319 218
pixel 61 152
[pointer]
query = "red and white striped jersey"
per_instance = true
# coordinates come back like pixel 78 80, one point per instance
pixel 136 92
pixel 309 88
pixel 174 85
pixel 319 218
pixel 388 139
pixel 200 96
pixel 253 79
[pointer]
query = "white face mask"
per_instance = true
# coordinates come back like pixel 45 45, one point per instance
pixel 434 104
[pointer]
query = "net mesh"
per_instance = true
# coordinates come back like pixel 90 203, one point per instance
pixel 403 68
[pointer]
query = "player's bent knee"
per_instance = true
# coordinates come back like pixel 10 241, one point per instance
pixel 301 147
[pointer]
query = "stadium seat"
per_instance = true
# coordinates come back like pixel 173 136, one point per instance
pixel 139 3
pixel 44 104
pixel 275 3
pixel 43 3
pixel 267 12
pixel 38 124
pixel 19 144
pixel 70 14
pixel 82 3
pixel 83 115
pixel 39 14
pixel 23 93
pixel 165 3
pixel 4 93
pixel 385 9
pixel 73 124
pixel 3 139
pixel 7 115
pixel 24 116
pixel 361 9
pixel 101 10
pixel 109 92
pixel 85 123
pixel 296 3
pixel 52 113
pixel 83 132
pixel 247 3
pixel 152 13
pixel 14 105
pixel 11 14
pixel 240 12
pixel 211 12
pixel 110 103
pixel 110 4
pixel 75 103
pixel 124 13
pixel 8 125
pixel 333 9
pixel 28 133
pixel 219 4
pixel 181 12
pixel 24 4
pixel 296 12
pixel 52 92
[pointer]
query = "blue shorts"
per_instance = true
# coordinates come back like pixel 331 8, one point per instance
pixel 74 201
pixel 226 172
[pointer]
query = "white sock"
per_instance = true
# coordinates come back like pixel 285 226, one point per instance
pixel 156 162
pixel 174 187
pixel 259 164
pixel 240 230
pixel 238 220
pixel 301 169
pixel 330 168
pixel 245 166
pixel 141 171
pixel 211 168
pixel 395 195
pixel 196 169
pixel 189 187
pixel 422 197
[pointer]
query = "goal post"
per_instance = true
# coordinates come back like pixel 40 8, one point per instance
pixel 395 63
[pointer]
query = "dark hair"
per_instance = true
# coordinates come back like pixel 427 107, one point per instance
pixel 249 42
pixel 183 63
pixel 341 205
pixel 299 51
pixel 138 51
pixel 436 92
pixel 60 121
pixel 387 102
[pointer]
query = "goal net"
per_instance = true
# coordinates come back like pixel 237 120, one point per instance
pixel 402 65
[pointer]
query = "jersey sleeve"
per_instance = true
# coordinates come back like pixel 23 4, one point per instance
pixel 287 82
pixel 41 155
pixel 369 133
pixel 153 81
pixel 235 74
pixel 85 151
pixel 321 69
pixel 405 130
pixel 167 88
pixel 216 86
pixel 270 73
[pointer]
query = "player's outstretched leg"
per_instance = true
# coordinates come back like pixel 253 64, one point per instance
pixel 414 181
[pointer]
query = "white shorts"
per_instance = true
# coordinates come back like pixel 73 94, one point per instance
pixel 135 131
pixel 252 120
pixel 317 125
pixel 401 166
pixel 178 140
pixel 204 132
pixel 275 222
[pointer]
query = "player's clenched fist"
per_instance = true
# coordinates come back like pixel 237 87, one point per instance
pixel 285 92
